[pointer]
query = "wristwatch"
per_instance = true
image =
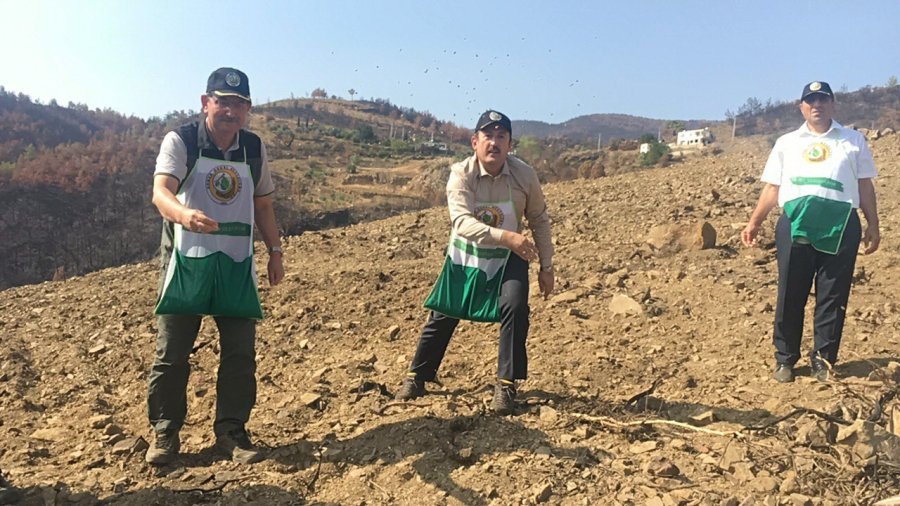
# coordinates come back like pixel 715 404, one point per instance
pixel 276 249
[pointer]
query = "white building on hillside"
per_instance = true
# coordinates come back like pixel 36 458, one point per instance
pixel 699 137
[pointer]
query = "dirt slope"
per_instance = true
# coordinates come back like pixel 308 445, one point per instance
pixel 341 330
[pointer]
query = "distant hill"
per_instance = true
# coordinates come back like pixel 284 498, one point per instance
pixel 585 129
pixel 869 107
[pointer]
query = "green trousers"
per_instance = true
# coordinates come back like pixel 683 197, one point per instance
pixel 236 382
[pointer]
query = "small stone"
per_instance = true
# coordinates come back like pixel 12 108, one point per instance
pixel 584 432
pixel 130 445
pixel 705 418
pixel 99 421
pixel 319 375
pixel 577 313
pixel 643 447
pixel 661 466
pixel 625 305
pixel 393 332
pixel 310 398
pixel 50 434
pixel 549 415
pixel 541 493
pixel 96 350
pixel 800 500
pixel 764 484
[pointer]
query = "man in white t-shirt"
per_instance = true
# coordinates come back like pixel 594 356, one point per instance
pixel 820 174
pixel 212 187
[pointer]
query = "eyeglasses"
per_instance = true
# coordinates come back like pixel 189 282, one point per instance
pixel 812 98
pixel 229 102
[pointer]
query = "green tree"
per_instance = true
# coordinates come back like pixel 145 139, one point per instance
pixel 892 81
pixel 365 134
pixel 657 151
pixel 351 92
pixel 319 93
pixel 675 126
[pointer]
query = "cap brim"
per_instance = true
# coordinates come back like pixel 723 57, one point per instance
pixel 492 123
pixel 819 92
pixel 230 94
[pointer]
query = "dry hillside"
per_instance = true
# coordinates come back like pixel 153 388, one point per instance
pixel 663 398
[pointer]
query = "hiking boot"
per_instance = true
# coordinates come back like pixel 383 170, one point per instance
pixel 165 448
pixel 783 373
pixel 236 444
pixel 504 398
pixel 820 369
pixel 411 389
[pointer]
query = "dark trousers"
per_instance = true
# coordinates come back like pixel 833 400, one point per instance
pixel 236 382
pixel 798 266
pixel 512 362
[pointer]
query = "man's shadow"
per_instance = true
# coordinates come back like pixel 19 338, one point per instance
pixel 441 446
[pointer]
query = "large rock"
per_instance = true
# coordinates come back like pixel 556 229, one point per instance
pixel 675 237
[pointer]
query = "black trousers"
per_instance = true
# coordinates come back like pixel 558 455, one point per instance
pixel 798 266
pixel 512 362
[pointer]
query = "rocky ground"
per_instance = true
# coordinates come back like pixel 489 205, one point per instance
pixel 649 370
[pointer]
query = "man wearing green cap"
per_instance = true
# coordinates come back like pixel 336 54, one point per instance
pixel 485 274
pixel 212 187
pixel 820 174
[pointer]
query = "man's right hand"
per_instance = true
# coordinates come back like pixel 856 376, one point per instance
pixel 748 235
pixel 520 245
pixel 196 221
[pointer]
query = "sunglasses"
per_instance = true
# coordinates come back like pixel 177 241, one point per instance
pixel 229 102
pixel 816 97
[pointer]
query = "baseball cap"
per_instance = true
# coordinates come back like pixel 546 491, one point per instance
pixel 816 87
pixel 490 118
pixel 227 81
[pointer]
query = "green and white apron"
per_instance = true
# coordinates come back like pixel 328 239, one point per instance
pixel 820 207
pixel 214 274
pixel 468 287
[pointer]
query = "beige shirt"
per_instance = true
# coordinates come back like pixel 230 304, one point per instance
pixel 470 183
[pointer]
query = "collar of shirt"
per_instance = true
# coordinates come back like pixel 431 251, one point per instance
pixel 482 172
pixel 206 142
pixel 804 129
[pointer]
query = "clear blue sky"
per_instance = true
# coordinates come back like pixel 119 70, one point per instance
pixel 539 60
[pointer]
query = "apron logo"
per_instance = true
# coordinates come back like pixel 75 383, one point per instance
pixel 223 184
pixel 816 153
pixel 491 215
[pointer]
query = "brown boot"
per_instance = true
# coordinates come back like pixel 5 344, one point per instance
pixel 504 397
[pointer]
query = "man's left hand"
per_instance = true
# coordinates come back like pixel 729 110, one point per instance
pixel 275 269
pixel 545 282
pixel 871 239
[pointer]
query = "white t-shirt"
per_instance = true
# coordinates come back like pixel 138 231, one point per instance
pixel 172 160
pixel 828 165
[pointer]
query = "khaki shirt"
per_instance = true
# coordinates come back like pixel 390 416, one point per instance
pixel 470 183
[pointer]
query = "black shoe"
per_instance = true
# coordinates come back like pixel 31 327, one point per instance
pixel 237 445
pixel 165 448
pixel 820 369
pixel 411 389
pixel 783 373
pixel 504 398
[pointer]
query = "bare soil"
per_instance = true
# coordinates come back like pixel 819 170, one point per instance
pixel 672 405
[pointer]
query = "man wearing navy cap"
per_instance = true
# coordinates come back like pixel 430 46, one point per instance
pixel 212 187
pixel 820 174
pixel 485 272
